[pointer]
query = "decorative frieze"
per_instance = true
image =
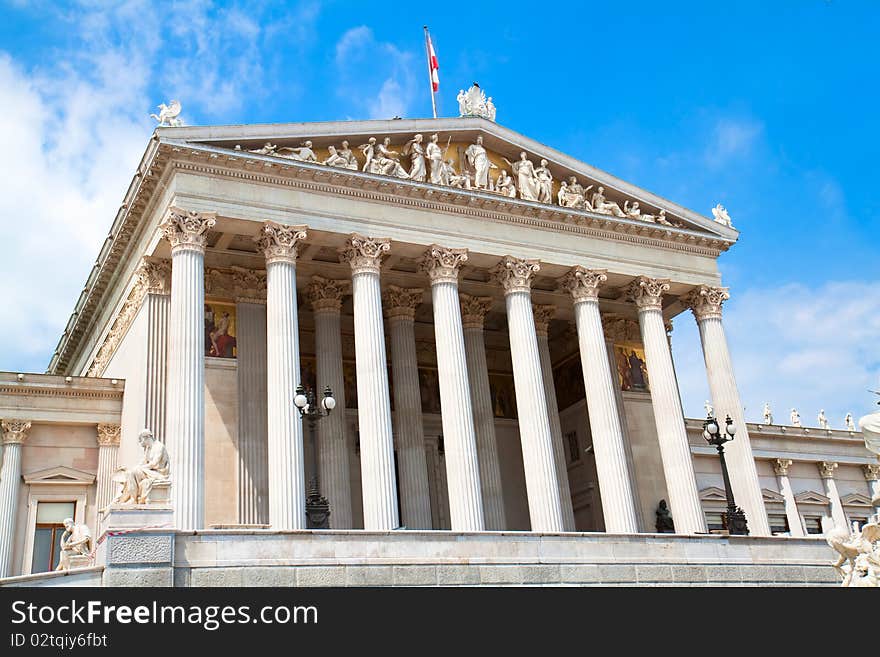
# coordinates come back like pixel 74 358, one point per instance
pixel 582 283
pixel 15 432
pixel 325 294
pixel 401 302
pixel 364 254
pixel 280 243
pixel 647 293
pixel 186 229
pixel 620 329
pixel 706 301
pixel 219 283
pixel 443 264
pixel 781 466
pixel 474 309
pixel 249 285
pixel 515 274
pixel 543 315
pixel 826 469
pixel 109 434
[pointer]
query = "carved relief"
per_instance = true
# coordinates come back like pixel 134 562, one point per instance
pixel 364 254
pixel 872 471
pixel 582 283
pixel 401 303
pixel 648 292
pixel 473 310
pixel 826 469
pixel 515 274
pixel 443 264
pixel 154 276
pixel 127 548
pixel 109 434
pixel 543 315
pixel 219 283
pixel 620 329
pixel 279 242
pixel 781 466
pixel 249 285
pixel 187 229
pixel 15 432
pixel 706 301
pixel 326 294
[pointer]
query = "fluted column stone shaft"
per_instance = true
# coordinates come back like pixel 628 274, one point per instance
pixel 108 436
pixel 795 527
pixel 618 502
pixel 335 479
pixel 14 433
pixel 253 410
pixel 374 401
pixel 542 487
pixel 474 311
pixel 872 477
pixel 415 495
pixel 681 483
pixel 543 314
pixel 185 420
pixel 838 515
pixel 706 304
pixel 287 486
pixel 155 276
pixel 462 465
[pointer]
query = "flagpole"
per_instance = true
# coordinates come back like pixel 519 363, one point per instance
pixel 430 72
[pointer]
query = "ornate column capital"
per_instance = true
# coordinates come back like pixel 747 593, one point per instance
pixel 401 302
pixel 15 432
pixel 109 434
pixel 473 310
pixel 583 284
pixel 442 264
pixel 154 276
pixel 249 285
pixel 279 242
pixel 364 254
pixel 781 466
pixel 620 329
pixel 515 274
pixel 219 283
pixel 325 294
pixel 648 292
pixel 543 315
pixel 705 301
pixel 826 469
pixel 872 471
pixel 185 229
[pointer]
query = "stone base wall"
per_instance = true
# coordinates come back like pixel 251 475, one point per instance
pixel 92 576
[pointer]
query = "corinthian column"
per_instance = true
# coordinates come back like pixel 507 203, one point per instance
pixel 681 483
pixel 15 432
pixel 415 498
pixel 364 254
pixel 108 447
pixel 618 504
pixel 326 299
pixel 185 422
pixel 780 467
pixel 872 476
pixel 473 311
pixel 155 277
pixel 462 466
pixel 826 471
pixel 542 487
pixel 543 315
pixel 706 303
pixel 253 418
pixel 287 485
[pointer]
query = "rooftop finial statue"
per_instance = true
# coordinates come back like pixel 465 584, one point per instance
pixel 768 414
pixel 168 115
pixel 795 418
pixel 823 419
pixel 721 216
pixel 473 102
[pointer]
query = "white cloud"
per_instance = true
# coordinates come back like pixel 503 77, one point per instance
pixel 810 348
pixel 731 139
pixel 376 77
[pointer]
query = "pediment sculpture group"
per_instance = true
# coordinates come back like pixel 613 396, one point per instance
pixel 428 162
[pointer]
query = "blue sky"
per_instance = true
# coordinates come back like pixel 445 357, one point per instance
pixel 768 110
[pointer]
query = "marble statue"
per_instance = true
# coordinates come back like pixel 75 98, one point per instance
pixel 462 103
pixel 387 160
pixel 138 480
pixel 633 212
pixel 526 179
pixel 267 149
pixel 663 523
pixel 453 179
pixel 435 157
pixel 661 218
pixel 721 216
pixel 343 159
pixel 418 171
pixel 169 115
pixel 478 158
pixel 571 194
pixel 369 151
pixel 76 545
pixel 562 194
pixel 823 420
pixel 604 206
pixel 870 426
pixel 795 418
pixel 473 102
pixel 768 414
pixel 345 152
pixel 303 153
pixel 848 422
pixel 544 183
pixel 710 410
pixel 504 184
pixel 858 562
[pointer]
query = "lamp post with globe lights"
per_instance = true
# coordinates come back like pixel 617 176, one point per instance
pixel 317 506
pixel 713 434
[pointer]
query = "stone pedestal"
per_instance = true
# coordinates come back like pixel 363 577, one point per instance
pixel 136 547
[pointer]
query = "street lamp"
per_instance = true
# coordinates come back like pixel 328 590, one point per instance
pixel 736 519
pixel 317 506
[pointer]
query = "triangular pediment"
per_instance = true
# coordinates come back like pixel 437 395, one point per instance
pixel 283 143
pixel 811 497
pixel 713 494
pixel 856 499
pixel 60 474
pixel 772 496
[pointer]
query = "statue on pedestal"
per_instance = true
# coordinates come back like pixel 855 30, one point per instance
pixel 795 418
pixel 76 545
pixel 823 421
pixel 768 414
pixel 138 480
pixel 848 422
pixel 664 524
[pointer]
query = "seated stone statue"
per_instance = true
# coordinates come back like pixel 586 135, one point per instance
pixel 138 480
pixel 76 543
pixel 664 523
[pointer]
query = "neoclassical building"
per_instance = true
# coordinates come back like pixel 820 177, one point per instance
pixel 496 334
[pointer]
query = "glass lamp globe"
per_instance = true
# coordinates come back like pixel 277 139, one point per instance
pixel 329 403
pixel 300 400
pixel 712 428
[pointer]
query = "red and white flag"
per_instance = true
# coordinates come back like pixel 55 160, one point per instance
pixel 433 66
